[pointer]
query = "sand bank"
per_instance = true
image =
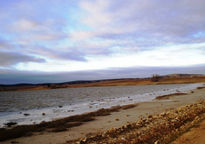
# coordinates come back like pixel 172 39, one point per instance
pixel 107 120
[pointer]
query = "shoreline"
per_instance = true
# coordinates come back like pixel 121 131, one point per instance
pixel 35 116
pixel 15 131
pixel 92 118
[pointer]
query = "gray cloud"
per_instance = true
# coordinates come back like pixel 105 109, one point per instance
pixel 3 44
pixel 11 58
pixel 50 53
pixel 60 32
pixel 155 21
pixel 12 76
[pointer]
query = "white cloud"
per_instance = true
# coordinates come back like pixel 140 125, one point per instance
pixel 171 56
pixel 175 20
pixel 81 35
pixel 24 25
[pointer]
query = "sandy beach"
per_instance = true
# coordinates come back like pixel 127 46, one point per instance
pixel 114 119
pixel 193 136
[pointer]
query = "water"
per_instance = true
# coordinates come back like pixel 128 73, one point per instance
pixel 57 103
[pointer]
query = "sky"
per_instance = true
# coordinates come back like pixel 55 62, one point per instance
pixel 63 40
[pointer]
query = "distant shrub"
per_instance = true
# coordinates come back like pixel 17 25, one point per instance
pixel 155 78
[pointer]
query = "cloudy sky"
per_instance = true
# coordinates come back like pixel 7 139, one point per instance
pixel 91 39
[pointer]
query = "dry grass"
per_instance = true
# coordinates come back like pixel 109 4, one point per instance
pixel 169 95
pixel 119 82
pixel 200 87
pixel 125 107
pixel 147 81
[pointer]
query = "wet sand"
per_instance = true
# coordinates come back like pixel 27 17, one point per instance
pixel 114 120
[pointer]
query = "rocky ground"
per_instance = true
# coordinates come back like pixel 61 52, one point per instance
pixel 157 129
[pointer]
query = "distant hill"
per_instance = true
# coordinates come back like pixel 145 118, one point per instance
pixel 185 75
pixel 156 79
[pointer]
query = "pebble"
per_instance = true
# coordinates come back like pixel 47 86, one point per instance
pixel 26 114
pixel 9 124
